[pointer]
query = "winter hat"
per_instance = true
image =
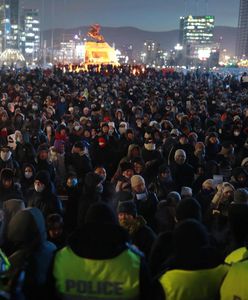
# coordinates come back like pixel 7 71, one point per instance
pixel 43 147
pixel 175 132
pixel 241 196
pixel 126 166
pixel 44 177
pixel 101 213
pixel 186 191
pixel 244 162
pixel 173 198
pixel 228 187
pixel 79 145
pixel 190 235
pixel 127 207
pixel 208 184
pixel 188 208
pixel 111 124
pixel 179 152
pixel 137 180
pixel 164 169
pixel 7 174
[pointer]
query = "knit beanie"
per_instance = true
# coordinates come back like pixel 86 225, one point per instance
pixel 244 162
pixel 127 207
pixel 101 213
pixel 186 191
pixel 173 198
pixel 136 180
pixel 188 208
pixel 43 177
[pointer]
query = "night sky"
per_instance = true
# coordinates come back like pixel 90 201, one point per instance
pixel 152 15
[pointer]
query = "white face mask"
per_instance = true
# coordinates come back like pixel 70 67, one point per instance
pixel 77 127
pixel 236 133
pixel 28 175
pixel 39 187
pixel 5 156
pixel 122 130
pixel 150 146
pixel 141 196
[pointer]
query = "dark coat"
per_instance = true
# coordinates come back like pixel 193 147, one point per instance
pixel 46 201
pixel 33 252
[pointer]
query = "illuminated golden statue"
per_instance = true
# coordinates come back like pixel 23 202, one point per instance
pixel 95 33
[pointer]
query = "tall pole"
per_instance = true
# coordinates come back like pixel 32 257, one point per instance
pixel 52 35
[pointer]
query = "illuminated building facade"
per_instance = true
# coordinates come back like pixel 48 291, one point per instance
pixel 9 25
pixel 242 40
pixel 30 33
pixel 196 30
pixel 150 52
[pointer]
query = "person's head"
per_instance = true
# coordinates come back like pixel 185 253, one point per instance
pixel 164 173
pixel 188 208
pixel 138 184
pixel 208 185
pixel 78 147
pixel 183 139
pixel 42 180
pixel 43 151
pixel 213 139
pixel 150 144
pixel 134 150
pixel 189 236
pixel 5 153
pixel 127 169
pixel 228 190
pixel 105 128
pixel 7 178
pixel 241 196
pixel 186 192
pixel 29 171
pixel 102 172
pixel 55 225
pixel 72 181
pixel 102 214
pixel 139 165
pixel 173 198
pixel 180 156
pixel 127 211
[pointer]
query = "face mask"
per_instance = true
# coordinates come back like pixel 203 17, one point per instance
pixel 150 146
pixel 5 156
pixel 141 196
pixel 77 127
pixel 122 130
pixel 62 100
pixel 39 188
pixel 34 107
pixel 28 175
pixel 111 131
pixel 236 133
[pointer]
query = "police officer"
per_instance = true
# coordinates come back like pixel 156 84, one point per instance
pixel 195 271
pixel 98 263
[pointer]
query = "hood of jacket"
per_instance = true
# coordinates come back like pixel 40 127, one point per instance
pixel 27 227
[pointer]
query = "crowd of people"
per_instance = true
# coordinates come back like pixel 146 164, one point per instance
pixel 117 184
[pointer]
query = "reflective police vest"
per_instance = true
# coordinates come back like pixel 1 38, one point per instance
pixel 237 256
pixel 82 278
pixel 235 285
pixel 193 285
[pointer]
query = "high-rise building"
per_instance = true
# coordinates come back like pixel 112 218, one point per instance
pixel 9 24
pixel 196 30
pixel 150 52
pixel 242 39
pixel 30 37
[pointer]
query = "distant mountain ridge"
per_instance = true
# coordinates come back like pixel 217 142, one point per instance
pixel 131 35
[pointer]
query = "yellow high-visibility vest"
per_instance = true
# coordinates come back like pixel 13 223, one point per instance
pixel 193 285
pixel 83 278
pixel 237 256
pixel 235 285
